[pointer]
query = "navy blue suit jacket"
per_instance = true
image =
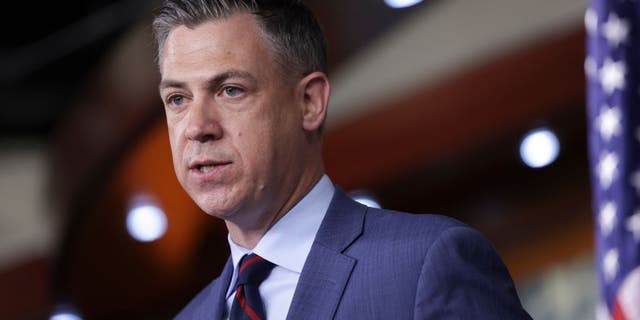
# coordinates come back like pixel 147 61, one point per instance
pixel 368 263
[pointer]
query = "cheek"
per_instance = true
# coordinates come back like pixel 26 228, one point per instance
pixel 252 146
pixel 172 140
pixel 175 130
pixel 256 147
pixel 174 143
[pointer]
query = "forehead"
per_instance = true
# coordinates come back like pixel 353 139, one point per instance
pixel 234 39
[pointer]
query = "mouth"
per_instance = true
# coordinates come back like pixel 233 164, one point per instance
pixel 207 166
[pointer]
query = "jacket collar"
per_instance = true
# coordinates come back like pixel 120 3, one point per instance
pixel 327 270
pixel 214 306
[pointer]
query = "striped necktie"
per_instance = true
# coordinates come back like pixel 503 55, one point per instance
pixel 247 304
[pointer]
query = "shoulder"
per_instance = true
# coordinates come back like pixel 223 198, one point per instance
pixel 459 269
pixel 210 300
pixel 435 239
pixel 411 227
pixel 400 235
pixel 417 220
pixel 454 270
pixel 192 309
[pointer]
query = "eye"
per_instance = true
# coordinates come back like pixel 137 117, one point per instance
pixel 176 100
pixel 232 91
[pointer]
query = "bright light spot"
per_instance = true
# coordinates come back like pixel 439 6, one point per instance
pixel 146 222
pixel 368 202
pixel 397 4
pixel 539 148
pixel 64 313
pixel 64 316
pixel 365 198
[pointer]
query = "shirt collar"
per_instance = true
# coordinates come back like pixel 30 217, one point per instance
pixel 288 242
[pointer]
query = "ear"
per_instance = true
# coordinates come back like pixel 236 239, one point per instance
pixel 315 90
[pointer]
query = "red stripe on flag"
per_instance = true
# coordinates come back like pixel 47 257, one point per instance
pixel 618 314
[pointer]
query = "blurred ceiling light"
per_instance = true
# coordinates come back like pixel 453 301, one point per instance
pixel 146 222
pixel 539 148
pixel 365 198
pixel 64 316
pixel 397 4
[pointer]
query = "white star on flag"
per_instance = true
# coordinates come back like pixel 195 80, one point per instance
pixel 591 21
pixel 612 75
pixel 633 225
pixel 615 30
pixel 607 169
pixel 608 122
pixel 608 217
pixel 610 264
pixel 590 67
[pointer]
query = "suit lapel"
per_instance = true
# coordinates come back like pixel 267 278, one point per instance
pixel 214 306
pixel 327 270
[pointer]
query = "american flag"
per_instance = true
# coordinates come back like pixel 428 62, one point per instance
pixel 612 67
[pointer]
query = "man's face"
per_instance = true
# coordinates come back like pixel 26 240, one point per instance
pixel 234 123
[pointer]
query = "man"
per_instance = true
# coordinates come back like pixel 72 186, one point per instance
pixel 245 89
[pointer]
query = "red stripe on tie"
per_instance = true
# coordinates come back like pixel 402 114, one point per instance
pixel 243 304
pixel 249 262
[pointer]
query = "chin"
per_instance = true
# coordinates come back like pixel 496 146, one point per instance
pixel 216 205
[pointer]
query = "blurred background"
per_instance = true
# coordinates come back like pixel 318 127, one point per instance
pixel 431 109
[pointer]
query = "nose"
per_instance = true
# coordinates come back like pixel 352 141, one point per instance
pixel 204 123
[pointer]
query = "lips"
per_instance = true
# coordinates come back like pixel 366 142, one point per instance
pixel 207 166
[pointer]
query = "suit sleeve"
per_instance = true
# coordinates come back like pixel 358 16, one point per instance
pixel 463 277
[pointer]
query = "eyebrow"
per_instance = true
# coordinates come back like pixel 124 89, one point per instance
pixel 164 84
pixel 212 82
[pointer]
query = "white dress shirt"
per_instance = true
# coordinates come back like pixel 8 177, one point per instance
pixel 286 244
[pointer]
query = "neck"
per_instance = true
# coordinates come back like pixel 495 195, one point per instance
pixel 248 237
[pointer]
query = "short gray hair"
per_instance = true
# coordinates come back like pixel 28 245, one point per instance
pixel 288 26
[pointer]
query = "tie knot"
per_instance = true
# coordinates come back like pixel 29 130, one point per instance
pixel 253 269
